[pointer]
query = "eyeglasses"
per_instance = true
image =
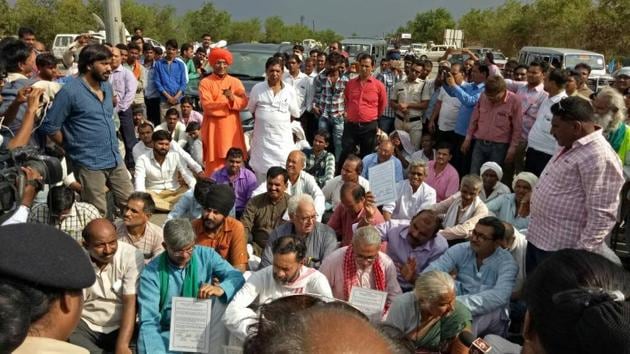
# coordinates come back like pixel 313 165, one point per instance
pixel 188 250
pixel 361 257
pixel 304 219
pixel 479 235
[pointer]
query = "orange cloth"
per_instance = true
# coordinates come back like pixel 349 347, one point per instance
pixel 220 53
pixel 221 128
pixel 229 240
pixel 136 70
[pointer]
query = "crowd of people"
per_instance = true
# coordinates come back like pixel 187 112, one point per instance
pixel 509 183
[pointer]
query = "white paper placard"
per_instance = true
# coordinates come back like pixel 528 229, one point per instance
pixel 382 179
pixel 370 302
pixel 190 325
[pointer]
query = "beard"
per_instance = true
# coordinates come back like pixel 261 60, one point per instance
pixel 607 122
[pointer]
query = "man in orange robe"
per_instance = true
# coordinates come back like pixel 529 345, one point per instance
pixel 222 98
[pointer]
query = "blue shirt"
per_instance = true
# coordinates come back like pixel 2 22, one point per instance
pixel 371 160
pixel 186 207
pixel 504 207
pixel 155 324
pixel 483 289
pixel 89 136
pixel 468 94
pixel 170 78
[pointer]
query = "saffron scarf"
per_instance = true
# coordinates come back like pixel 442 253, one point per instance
pixel 350 273
pixel 190 286
pixel 136 70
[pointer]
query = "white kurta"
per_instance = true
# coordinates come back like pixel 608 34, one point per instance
pixel 273 138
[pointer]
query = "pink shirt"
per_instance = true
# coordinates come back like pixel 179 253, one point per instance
pixel 194 117
pixel 575 201
pixel 499 123
pixel 332 268
pixel 531 100
pixel 365 101
pixel 342 220
pixel 445 183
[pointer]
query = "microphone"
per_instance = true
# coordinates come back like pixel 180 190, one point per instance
pixel 475 345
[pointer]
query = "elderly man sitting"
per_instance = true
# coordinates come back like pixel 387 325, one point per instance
pixel 491 174
pixel 350 172
pixel 462 210
pixel 157 173
pixel 183 270
pixel 384 153
pixel 319 238
pixel 413 194
pixel 361 264
pixel 486 275
pixel 300 182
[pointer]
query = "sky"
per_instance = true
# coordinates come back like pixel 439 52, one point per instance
pixel 363 17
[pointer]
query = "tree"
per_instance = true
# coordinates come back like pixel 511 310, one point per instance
pixel 245 31
pixel 274 29
pixel 207 20
pixel 429 25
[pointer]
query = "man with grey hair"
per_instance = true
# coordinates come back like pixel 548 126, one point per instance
pixel 610 113
pixel 413 194
pixel 187 270
pixel 300 182
pixel 363 265
pixel 320 239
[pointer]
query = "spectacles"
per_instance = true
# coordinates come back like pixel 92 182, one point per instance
pixel 361 257
pixel 479 235
pixel 304 219
pixel 188 250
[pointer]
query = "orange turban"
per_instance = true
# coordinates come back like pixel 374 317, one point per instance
pixel 220 53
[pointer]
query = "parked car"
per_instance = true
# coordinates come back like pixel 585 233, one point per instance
pixel 63 41
pixel 499 59
pixel 434 52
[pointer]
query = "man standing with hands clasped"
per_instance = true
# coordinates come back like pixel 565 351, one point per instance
pixel 222 98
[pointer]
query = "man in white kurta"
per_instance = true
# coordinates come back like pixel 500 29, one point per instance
pixel 413 194
pixel 287 276
pixel 272 103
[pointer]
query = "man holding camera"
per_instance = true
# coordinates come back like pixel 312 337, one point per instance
pixel 80 120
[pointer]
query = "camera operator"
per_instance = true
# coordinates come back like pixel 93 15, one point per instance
pixel 32 185
pixel 19 62
pixel 31 96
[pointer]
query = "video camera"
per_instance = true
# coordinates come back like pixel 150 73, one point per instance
pixel 13 179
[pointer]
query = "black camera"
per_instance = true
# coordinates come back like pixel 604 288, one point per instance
pixel 13 179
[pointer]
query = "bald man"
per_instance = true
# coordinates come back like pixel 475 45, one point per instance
pixel 384 153
pixel 125 85
pixel 109 309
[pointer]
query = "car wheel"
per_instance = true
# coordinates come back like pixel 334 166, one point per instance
pixel 424 57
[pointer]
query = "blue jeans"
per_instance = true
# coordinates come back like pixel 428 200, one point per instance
pixel 484 151
pixel 335 127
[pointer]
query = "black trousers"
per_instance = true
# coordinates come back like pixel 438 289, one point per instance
pixel 535 161
pixel 96 342
pixel 362 135
pixel 153 110
pixel 128 133
pixel 533 257
pixel 460 161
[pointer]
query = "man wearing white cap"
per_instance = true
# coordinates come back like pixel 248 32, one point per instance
pixel 491 174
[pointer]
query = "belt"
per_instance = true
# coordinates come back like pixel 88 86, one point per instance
pixel 362 124
pixel 488 142
pixel 410 119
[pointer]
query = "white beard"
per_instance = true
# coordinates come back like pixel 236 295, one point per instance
pixel 605 121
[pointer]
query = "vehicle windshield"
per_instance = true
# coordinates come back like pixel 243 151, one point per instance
pixel 498 56
pixel 249 63
pixel 354 49
pixel 595 61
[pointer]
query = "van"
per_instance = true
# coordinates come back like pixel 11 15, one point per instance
pixel 355 45
pixel 565 58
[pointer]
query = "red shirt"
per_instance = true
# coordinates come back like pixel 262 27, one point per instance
pixel 365 100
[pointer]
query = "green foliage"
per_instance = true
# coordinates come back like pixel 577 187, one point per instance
pixel 429 25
